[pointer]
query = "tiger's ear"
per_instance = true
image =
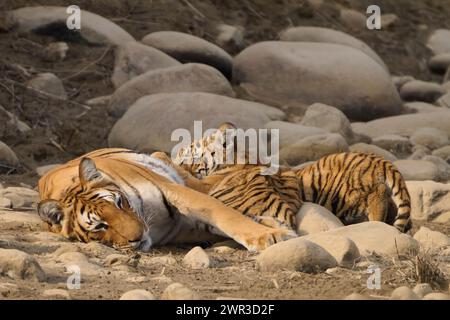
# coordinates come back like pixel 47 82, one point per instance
pixel 50 211
pixel 88 171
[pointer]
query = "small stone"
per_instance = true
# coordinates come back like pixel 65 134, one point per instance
pixel 418 90
pixel 197 258
pixel 388 20
pixel 422 289
pixel 353 19
pixel 20 265
pixel 357 296
pixel 5 203
pixel 177 291
pixel 230 38
pixel 431 239
pixel 137 294
pixel 297 255
pixel 56 51
pixel 403 293
pixel 57 294
pixel 8 158
pixel 312 218
pixel 436 296
pixel 117 259
pixel 49 84
pixel 431 138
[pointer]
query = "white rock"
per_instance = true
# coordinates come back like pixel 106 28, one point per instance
pixel 5 203
pixel 432 138
pixel 418 90
pixel 292 132
pixel 313 148
pixel 191 77
pixel 440 62
pixel 417 169
pixel 405 125
pixel 431 239
pixel 49 84
pixel 57 294
pixel 20 265
pixel 439 41
pixel 149 123
pixel 443 153
pixel 330 119
pixel 312 218
pixel 230 38
pixel 430 201
pixel 298 65
pixel 404 293
pixel 188 48
pixel 341 248
pixel 436 296
pixel 421 107
pixel 177 291
pixel 20 197
pixel 133 59
pixel 370 148
pixel 8 159
pixel 444 101
pixel 95 28
pixel 353 19
pixel 396 144
pixel 42 170
pixel 374 236
pixel 137 294
pixel 296 255
pixel 197 258
pixel 422 289
pixel 318 34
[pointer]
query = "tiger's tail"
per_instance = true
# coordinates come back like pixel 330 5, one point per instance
pixel 400 196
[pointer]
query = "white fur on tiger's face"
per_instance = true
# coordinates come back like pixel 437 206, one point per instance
pixel 210 154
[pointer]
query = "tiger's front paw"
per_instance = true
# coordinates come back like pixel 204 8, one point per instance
pixel 268 238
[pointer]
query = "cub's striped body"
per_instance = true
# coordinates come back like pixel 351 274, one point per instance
pixel 356 187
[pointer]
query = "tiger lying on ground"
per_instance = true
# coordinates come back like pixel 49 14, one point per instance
pixel 131 200
pixel 356 187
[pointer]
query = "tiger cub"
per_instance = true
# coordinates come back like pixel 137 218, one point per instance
pixel 356 187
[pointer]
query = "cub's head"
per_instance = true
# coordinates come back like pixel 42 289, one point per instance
pixel 94 209
pixel 205 156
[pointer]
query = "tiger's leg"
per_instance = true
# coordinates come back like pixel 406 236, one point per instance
pixel 378 203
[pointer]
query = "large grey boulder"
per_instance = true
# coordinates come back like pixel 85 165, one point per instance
pixel 184 78
pixel 134 58
pixel 290 133
pixel 319 34
pixel 149 123
pixel 94 28
pixel 188 48
pixel 285 73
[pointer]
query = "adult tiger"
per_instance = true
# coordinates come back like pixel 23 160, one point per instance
pixel 356 187
pixel 128 199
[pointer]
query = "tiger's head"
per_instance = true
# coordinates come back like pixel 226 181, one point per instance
pixel 205 156
pixel 95 209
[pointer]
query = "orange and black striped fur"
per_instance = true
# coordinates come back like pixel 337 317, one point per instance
pixel 356 187
pixel 133 200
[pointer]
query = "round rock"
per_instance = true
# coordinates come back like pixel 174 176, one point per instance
pixel 404 293
pixel 370 148
pixel 431 138
pixel 137 294
pixel 286 73
pixel 188 48
pixel 134 58
pixel 431 239
pixel 422 289
pixel 439 41
pixel 190 77
pixel 197 258
pixel 148 125
pixel 418 90
pixel 312 218
pixel 296 255
pixel 318 34
pixel 177 291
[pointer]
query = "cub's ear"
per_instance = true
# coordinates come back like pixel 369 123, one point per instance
pixel 50 211
pixel 88 171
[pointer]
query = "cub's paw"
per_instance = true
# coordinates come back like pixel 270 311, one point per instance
pixel 268 238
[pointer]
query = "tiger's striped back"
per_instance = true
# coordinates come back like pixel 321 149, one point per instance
pixel 357 187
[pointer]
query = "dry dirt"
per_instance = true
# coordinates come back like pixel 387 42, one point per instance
pixel 62 130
